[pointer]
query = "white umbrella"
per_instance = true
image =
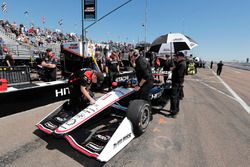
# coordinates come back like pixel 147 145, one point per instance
pixel 172 43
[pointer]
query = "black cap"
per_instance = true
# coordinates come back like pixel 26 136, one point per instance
pixel 100 79
pixel 48 50
pixel 179 54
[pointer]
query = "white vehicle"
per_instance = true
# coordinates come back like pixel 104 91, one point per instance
pixel 103 129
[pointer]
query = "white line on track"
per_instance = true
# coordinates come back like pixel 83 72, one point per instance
pixel 236 96
pixel 199 80
pixel 236 71
pixel 218 91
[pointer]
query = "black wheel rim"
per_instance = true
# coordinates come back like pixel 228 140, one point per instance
pixel 145 117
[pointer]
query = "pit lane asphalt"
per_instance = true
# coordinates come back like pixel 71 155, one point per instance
pixel 212 129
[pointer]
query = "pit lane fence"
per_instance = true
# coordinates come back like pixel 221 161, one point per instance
pixel 15 75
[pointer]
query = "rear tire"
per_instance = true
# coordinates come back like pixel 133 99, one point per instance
pixel 139 113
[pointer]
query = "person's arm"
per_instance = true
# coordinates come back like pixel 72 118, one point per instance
pixel 8 63
pixel 107 66
pixel 107 69
pixel 118 68
pixel 44 64
pixel 141 82
pixel 145 74
pixel 86 94
pixel 138 87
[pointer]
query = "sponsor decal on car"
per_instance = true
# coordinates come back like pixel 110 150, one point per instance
pixel 120 141
pixel 100 105
pixel 122 78
pixel 102 137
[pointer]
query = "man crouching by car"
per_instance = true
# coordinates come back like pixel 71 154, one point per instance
pixel 79 86
pixel 143 74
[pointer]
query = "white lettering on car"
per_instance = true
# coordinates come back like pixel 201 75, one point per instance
pixel 62 92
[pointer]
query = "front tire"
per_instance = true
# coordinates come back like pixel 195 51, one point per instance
pixel 139 113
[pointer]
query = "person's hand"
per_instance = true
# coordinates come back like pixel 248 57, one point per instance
pixel 171 68
pixel 137 88
pixel 92 101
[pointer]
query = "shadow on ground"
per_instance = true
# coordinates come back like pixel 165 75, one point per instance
pixel 62 145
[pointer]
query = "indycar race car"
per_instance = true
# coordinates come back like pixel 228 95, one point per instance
pixel 103 129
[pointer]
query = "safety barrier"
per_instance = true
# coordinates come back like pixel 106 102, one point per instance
pixel 15 75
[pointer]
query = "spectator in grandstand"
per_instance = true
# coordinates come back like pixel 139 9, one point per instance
pixel 9 61
pixel 219 68
pixel 31 31
pixel 21 29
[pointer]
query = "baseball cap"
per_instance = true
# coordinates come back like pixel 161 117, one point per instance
pixel 179 54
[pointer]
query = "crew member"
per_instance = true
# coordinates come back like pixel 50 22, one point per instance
pixel 219 68
pixel 79 85
pixel 48 63
pixel 167 66
pixel 211 64
pixel 112 68
pixel 178 74
pixel 143 74
pixel 9 61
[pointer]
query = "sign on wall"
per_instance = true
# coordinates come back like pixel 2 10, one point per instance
pixel 89 9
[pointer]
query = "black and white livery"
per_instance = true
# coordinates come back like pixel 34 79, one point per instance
pixel 103 129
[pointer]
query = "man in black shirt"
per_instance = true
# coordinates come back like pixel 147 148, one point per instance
pixel 143 74
pixel 178 74
pixel 79 86
pixel 211 64
pixel 80 95
pixel 112 67
pixel 48 63
pixel 219 68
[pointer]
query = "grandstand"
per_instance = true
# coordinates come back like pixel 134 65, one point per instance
pixel 28 44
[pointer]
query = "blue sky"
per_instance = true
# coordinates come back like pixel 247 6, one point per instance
pixel 221 27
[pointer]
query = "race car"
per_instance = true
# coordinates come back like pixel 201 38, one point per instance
pixel 103 129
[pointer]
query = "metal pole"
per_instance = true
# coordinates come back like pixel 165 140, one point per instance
pixel 145 27
pixel 107 14
pixel 83 35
